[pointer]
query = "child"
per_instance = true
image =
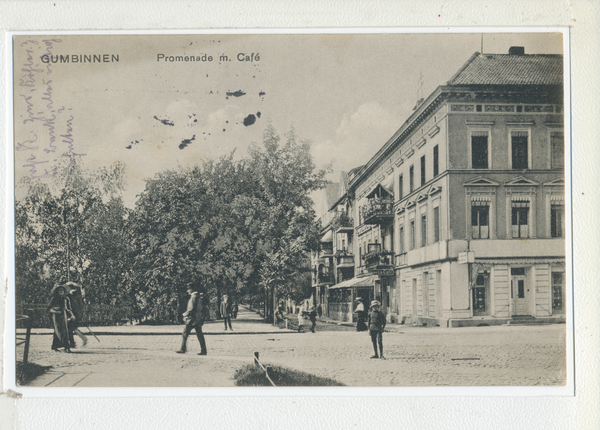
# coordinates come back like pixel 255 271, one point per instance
pixel 376 325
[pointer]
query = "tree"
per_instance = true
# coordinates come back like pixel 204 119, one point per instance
pixel 286 176
pixel 72 228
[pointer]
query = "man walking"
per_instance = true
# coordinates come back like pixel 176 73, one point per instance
pixel 194 319
pixel 312 316
pixel 376 326
pixel 226 311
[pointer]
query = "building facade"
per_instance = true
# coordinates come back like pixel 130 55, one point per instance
pixel 459 219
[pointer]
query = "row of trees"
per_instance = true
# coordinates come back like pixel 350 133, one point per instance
pixel 238 226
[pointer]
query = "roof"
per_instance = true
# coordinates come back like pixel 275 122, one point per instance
pixel 343 183
pixel 332 193
pixel 325 197
pixel 507 69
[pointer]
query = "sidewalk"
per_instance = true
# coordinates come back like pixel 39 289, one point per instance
pixel 247 322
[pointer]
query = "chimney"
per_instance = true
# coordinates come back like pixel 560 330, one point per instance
pixel 516 50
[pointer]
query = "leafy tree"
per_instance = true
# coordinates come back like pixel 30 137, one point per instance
pixel 71 228
pixel 286 176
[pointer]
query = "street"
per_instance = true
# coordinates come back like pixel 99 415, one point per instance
pixel 133 356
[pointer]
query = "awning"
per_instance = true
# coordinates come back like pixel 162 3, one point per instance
pixel 327 237
pixel 367 281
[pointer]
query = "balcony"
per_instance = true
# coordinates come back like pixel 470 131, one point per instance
pixel 342 223
pixel 378 261
pixel 325 279
pixel 377 211
pixel 344 259
pixel 326 251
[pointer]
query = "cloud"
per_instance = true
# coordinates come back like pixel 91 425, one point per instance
pixel 358 136
pixel 370 120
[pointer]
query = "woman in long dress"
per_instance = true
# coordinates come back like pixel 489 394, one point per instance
pixel 59 311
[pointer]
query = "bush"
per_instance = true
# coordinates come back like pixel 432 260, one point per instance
pixel 27 372
pixel 253 376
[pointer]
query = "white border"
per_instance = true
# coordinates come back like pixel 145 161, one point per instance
pixel 9 353
pixel 581 411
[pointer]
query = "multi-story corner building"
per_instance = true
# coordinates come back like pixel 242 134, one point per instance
pixel 459 219
pixel 334 262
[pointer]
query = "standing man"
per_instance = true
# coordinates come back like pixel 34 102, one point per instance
pixel 194 319
pixel 226 311
pixel 376 325
pixel 312 316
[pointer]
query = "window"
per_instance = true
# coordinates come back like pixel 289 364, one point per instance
pixel 422 170
pixel 436 224
pixel 519 141
pixel 557 221
pixel 520 224
pixel 557 293
pixel 423 230
pixel 425 294
pixel 557 145
pixel 479 150
pixel 436 161
pixel 412 234
pixel 411 178
pixel 402 239
pixel 480 222
pixel 478 108
pixel 400 187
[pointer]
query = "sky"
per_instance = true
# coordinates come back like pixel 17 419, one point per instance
pixel 346 93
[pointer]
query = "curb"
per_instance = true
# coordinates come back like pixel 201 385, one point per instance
pixel 113 333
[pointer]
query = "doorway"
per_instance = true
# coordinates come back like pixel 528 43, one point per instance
pixel 519 292
pixel 480 296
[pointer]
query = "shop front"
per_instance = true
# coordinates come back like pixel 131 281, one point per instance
pixel 342 297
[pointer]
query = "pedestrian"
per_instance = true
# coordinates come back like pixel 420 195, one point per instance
pixel 58 309
pixel 279 314
pixel 193 318
pixel 226 312
pixel 320 310
pixel 361 315
pixel 376 326
pixel 300 320
pixel 234 309
pixel 312 316
pixel 75 297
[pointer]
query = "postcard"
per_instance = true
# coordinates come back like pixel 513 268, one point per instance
pixel 384 210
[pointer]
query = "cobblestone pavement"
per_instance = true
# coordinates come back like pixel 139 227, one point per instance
pixel 477 356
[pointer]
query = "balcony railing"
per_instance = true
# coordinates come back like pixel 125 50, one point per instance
pixel 345 260
pixel 377 211
pixel 326 251
pixel 342 223
pixel 377 258
pixel 325 278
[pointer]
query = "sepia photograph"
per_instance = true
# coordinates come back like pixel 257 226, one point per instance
pixel 291 210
